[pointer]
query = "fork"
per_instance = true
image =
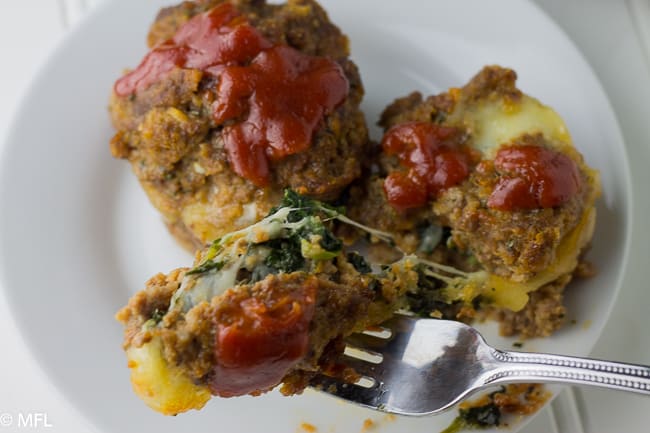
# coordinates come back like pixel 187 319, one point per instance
pixel 426 366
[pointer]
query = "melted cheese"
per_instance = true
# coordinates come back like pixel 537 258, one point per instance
pixel 249 216
pixel 163 388
pixel 209 285
pixel 494 123
pixel 210 220
pixel 514 296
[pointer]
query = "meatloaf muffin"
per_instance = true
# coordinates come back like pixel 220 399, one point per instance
pixel 235 101
pixel 485 177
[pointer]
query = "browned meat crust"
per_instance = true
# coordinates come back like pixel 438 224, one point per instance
pixel 345 302
pixel 302 24
pixel 414 107
pixel 187 340
pixel 176 150
pixel 515 245
pixel 368 204
pixel 544 314
pixel 511 244
pixel 491 83
pixel 142 306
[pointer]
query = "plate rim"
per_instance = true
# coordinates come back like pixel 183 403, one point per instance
pixel 40 73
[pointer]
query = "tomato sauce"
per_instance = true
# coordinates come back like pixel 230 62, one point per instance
pixel 263 340
pixel 281 98
pixel 207 42
pixel 433 158
pixel 533 177
pixel 271 98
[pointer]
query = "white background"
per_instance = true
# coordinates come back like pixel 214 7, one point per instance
pixel 615 38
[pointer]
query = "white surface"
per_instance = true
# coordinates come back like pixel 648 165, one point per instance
pixel 29 394
pixel 617 56
pixel 29 30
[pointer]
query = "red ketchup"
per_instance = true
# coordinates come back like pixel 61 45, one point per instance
pixel 207 42
pixel 280 99
pixel 263 340
pixel 272 96
pixel 533 177
pixel 433 158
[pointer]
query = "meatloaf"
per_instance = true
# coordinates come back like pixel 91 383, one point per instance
pixel 180 145
pixel 266 305
pixel 523 222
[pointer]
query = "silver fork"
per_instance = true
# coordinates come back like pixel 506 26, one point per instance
pixel 425 366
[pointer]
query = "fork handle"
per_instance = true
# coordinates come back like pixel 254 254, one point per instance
pixel 539 367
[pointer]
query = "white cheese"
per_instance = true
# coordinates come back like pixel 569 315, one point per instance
pixel 494 123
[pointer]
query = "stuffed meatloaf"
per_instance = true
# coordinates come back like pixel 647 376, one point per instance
pixel 271 303
pixel 485 177
pixel 235 101
pixel 265 305
pixel 477 195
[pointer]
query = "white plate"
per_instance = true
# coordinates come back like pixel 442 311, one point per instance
pixel 77 235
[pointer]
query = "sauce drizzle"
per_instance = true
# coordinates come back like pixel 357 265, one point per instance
pixel 206 42
pixel 277 103
pixel 269 98
pixel 533 177
pixel 433 158
pixel 263 340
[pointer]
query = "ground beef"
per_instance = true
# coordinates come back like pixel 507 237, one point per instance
pixel 544 313
pixel 176 150
pixel 414 107
pixel 373 210
pixel 541 317
pixel 187 339
pixel 516 245
pixel 145 305
pixel 345 302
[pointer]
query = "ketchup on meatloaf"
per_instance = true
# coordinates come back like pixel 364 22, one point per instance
pixel 235 101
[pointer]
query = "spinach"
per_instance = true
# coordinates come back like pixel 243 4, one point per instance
pixel 328 241
pixel 157 315
pixel 428 298
pixel 305 225
pixel 484 416
pixel 359 263
pixel 285 255
pixel 313 226
pixel 303 207
pixel 206 266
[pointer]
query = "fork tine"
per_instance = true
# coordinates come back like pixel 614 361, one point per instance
pixel 367 342
pixel 360 366
pixel 400 323
pixel 370 397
